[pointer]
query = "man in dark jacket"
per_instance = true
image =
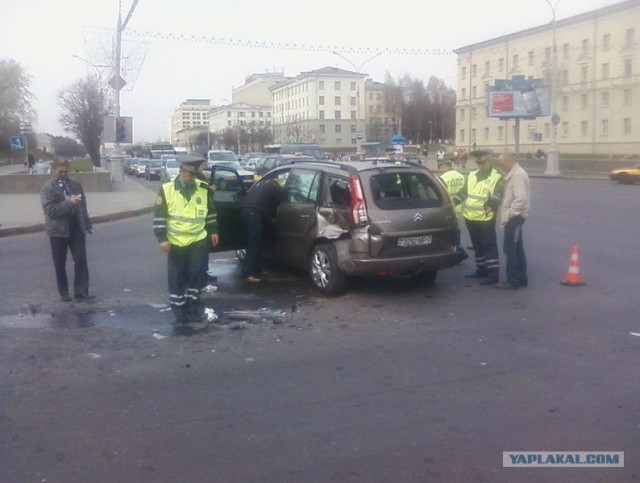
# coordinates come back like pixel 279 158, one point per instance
pixel 258 208
pixel 67 221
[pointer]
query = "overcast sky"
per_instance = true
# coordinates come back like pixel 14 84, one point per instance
pixel 44 35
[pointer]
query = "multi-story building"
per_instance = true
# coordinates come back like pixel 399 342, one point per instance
pixel 192 113
pixel 596 78
pixel 382 114
pixel 324 106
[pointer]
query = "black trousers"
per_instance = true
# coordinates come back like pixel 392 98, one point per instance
pixel 76 244
pixel 513 247
pixel 187 268
pixel 485 245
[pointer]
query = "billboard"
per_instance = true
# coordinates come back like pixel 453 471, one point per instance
pixel 518 98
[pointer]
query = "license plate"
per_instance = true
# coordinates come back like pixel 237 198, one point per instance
pixel 414 241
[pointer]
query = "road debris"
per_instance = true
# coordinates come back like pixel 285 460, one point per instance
pixel 257 316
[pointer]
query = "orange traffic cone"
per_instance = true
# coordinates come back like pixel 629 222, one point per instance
pixel 573 274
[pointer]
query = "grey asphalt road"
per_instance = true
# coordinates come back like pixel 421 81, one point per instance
pixel 391 382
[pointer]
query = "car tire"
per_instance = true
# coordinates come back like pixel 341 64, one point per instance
pixel 426 277
pixel 326 276
pixel 624 178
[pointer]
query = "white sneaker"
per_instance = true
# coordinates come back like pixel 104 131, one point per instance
pixel 210 288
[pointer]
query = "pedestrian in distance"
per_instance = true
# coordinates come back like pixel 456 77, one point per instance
pixel 513 212
pixel 479 195
pixel 67 222
pixel 185 224
pixel 31 161
pixel 257 209
pixel 454 182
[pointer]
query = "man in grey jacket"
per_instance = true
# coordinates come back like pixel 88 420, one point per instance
pixel 514 210
pixel 67 222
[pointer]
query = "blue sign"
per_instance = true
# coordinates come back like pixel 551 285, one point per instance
pixel 17 142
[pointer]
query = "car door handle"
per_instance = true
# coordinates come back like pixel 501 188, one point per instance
pixel 304 216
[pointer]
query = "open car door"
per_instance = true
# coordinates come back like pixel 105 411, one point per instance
pixel 228 194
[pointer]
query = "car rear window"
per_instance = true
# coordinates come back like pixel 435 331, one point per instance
pixel 396 191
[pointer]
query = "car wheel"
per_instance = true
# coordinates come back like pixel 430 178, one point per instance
pixel 426 278
pixel 624 178
pixel 325 274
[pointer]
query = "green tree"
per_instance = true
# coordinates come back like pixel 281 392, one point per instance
pixel 15 100
pixel 84 106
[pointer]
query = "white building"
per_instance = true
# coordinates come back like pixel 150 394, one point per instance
pixel 192 113
pixel 597 79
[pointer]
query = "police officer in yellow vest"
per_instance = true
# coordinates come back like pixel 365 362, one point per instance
pixel 454 181
pixel 479 197
pixel 185 224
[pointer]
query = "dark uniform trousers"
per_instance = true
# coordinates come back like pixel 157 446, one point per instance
pixel 187 267
pixel 485 245
pixel 76 244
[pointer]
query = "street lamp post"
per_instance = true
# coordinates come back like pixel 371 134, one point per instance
pixel 553 156
pixel 359 131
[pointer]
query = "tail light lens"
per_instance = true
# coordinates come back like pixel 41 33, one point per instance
pixel 358 206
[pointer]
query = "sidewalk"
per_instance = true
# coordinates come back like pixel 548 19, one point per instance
pixel 22 213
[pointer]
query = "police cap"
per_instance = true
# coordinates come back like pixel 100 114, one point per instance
pixel 480 155
pixel 190 162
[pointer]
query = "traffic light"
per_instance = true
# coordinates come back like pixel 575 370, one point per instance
pixel 121 129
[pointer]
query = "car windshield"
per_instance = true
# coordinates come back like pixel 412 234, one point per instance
pixel 231 164
pixel 155 164
pixel 396 191
pixel 223 156
pixel 172 163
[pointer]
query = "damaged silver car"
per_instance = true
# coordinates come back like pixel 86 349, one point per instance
pixel 341 220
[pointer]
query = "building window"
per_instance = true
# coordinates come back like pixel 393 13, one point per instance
pixel 321 114
pixel 628 67
pixel 474 70
pixel 584 128
pixel 322 128
pixel 461 135
pixel 486 134
pixel 565 128
pixel 473 136
pixel 354 115
pixel 606 41
pixel 321 100
pixel 463 93
pixel 487 67
pixel 353 100
pixel 501 64
pixel 516 62
pixel 531 57
pixel 353 86
pixel 566 51
pixel 627 97
pixel 604 100
pixel 604 127
pixel 338 128
pixel 320 85
pixel 338 101
pixel 565 103
pixel 464 73
pixel 626 123
pixel 338 115
pixel 585 46
pixel 462 114
pixel 474 92
pixel 584 102
pixel 336 85
pixel 500 133
pixel 186 115
pixel 605 71
pixel 474 113
pixel 584 73
pixel 353 128
pixel 629 37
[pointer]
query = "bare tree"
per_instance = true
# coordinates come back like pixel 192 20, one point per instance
pixel 84 106
pixel 15 99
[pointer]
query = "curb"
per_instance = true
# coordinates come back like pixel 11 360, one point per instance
pixel 38 227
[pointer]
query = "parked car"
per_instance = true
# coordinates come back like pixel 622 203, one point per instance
pixel 273 161
pixel 131 166
pixel 626 175
pixel 350 219
pixel 153 169
pixel 141 167
pixel 221 155
pixel 170 170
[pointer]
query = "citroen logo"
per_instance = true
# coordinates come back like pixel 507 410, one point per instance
pixel 417 217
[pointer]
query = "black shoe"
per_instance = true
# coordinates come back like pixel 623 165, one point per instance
pixel 65 298
pixel 194 317
pixel 507 286
pixel 476 275
pixel 85 297
pixel 212 278
pixel 181 319
pixel 488 281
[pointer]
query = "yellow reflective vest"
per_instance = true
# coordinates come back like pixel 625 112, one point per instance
pixel 454 182
pixel 478 192
pixel 186 220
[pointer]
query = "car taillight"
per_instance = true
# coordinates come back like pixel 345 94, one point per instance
pixel 358 206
